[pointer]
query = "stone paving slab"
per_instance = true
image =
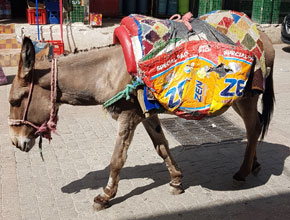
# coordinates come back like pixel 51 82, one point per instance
pixel 76 168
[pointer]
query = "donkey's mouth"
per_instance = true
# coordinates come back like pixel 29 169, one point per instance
pixel 22 142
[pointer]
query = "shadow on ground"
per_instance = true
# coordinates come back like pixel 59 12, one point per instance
pixel 272 207
pixel 211 167
pixel 286 49
pixel 10 79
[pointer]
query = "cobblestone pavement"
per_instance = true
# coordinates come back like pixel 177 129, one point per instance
pixel 76 168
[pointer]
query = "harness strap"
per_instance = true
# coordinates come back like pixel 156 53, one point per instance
pixel 29 98
pixel 124 93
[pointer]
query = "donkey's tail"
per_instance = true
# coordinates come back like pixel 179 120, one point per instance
pixel 268 101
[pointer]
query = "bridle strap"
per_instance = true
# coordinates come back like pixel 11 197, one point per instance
pixel 19 122
pixel 29 97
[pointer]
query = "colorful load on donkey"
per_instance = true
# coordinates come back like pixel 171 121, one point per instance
pixel 191 73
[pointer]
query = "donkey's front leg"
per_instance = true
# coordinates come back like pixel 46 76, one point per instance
pixel 127 120
pixel 153 127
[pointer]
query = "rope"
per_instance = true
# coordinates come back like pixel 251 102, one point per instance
pixel 125 93
pixel 47 127
pixel 185 19
pixel 40 147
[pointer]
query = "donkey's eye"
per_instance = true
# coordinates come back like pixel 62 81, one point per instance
pixel 15 102
pixel 16 99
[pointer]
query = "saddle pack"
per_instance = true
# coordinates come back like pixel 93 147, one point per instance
pixel 190 73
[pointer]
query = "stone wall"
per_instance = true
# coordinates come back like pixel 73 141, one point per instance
pixel 75 36
pixel 80 36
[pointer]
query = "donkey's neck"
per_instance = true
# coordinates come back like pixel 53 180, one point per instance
pixel 92 77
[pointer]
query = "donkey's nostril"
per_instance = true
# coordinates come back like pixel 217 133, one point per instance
pixel 14 142
pixel 25 146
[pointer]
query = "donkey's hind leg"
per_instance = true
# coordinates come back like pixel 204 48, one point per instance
pixel 246 107
pixel 127 120
pixel 256 165
pixel 153 127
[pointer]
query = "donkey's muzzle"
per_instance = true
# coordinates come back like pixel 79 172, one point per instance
pixel 23 143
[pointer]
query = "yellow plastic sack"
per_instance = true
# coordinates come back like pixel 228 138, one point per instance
pixel 198 78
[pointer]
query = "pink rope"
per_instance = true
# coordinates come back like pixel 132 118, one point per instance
pixel 185 19
pixel 53 87
pixel 47 127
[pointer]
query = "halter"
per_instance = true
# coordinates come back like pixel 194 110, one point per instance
pixel 48 126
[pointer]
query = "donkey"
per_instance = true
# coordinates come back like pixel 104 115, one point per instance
pixel 92 78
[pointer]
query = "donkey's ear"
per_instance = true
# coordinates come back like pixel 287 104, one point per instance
pixel 27 57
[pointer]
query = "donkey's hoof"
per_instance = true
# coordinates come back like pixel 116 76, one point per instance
pixel 175 190
pixel 256 170
pixel 238 182
pixel 100 203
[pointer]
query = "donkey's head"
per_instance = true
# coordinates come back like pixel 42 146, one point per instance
pixel 28 113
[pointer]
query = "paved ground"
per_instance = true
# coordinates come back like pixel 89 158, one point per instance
pixel 76 169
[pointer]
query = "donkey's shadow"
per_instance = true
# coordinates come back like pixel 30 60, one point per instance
pixel 286 49
pixel 211 167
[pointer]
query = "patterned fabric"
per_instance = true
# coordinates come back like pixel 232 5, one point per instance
pixel 240 29
pixel 152 32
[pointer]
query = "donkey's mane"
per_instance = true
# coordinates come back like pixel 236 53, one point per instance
pixel 90 54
